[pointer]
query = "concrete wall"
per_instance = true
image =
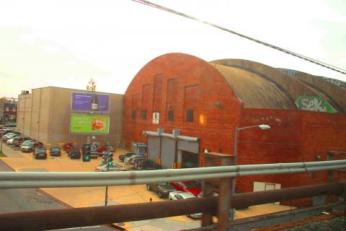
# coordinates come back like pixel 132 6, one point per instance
pixel 45 115
pixel 24 114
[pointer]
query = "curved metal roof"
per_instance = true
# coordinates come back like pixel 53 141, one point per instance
pixel 253 90
pixel 262 86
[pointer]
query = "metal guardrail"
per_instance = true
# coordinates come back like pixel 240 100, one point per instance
pixel 209 206
pixel 65 218
pixel 89 179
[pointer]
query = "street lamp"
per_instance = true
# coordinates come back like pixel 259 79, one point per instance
pixel 235 148
pixel 236 133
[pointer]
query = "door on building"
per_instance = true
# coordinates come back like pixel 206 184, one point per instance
pixel 153 148
pixel 189 160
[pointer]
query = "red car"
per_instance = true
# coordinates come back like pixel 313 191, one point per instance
pixel 67 147
pixel 193 187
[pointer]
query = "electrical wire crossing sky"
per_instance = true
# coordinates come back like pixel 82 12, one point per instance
pixel 67 43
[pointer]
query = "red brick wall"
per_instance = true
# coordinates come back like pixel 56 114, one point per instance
pixel 294 136
pixel 197 85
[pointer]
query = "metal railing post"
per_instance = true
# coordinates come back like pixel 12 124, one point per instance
pixel 207 218
pixel 344 204
pixel 224 203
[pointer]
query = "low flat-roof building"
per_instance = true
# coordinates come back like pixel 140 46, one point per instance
pixel 47 115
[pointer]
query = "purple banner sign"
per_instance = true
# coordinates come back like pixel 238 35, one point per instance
pixel 88 102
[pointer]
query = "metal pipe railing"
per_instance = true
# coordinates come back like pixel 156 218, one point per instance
pixel 168 172
pixel 85 179
pixel 65 218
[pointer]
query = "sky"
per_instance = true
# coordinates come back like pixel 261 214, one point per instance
pixel 64 43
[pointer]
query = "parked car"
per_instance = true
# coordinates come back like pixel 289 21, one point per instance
pixel 74 153
pixel 123 156
pixel 30 145
pixel 114 167
pixel 40 153
pixel 105 148
pixel 4 131
pixel 8 136
pixel 162 189
pixel 142 164
pixel 67 147
pixel 11 140
pixel 27 146
pixel 19 140
pixel 55 151
pixel 193 187
pixel 131 159
pixel 38 144
pixel 178 195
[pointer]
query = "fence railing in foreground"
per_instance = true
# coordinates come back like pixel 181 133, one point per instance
pixel 209 206
pixel 65 218
pixel 88 179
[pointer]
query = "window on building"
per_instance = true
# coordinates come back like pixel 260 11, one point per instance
pixel 189 115
pixel 133 115
pixel 144 115
pixel 170 115
pixel 156 117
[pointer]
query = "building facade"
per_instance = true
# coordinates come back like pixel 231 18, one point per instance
pixel 46 115
pixel 8 111
pixel 184 107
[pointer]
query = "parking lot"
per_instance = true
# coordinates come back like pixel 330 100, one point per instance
pixel 93 196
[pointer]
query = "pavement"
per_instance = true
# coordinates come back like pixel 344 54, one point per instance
pixel 31 199
pixel 127 194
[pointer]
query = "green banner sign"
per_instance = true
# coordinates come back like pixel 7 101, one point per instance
pixel 89 123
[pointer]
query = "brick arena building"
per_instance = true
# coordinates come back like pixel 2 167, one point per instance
pixel 183 107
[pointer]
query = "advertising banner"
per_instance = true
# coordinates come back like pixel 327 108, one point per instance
pixel 89 123
pixel 86 102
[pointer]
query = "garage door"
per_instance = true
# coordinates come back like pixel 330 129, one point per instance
pixel 153 147
pixel 168 152
pixel 189 160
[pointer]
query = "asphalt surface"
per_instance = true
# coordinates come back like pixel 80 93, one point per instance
pixel 19 200
pixel 15 200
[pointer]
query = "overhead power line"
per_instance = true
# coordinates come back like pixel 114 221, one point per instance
pixel 286 51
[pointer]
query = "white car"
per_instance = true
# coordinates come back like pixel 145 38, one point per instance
pixel 10 141
pixel 179 195
pixel 115 167
pixel 130 159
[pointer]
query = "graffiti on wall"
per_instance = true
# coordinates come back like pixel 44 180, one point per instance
pixel 314 103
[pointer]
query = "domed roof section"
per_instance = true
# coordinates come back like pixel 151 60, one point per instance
pixel 253 90
pixel 306 91
pixel 334 90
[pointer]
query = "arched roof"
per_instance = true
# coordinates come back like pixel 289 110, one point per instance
pixel 297 89
pixel 256 85
pixel 253 90
pixel 332 89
